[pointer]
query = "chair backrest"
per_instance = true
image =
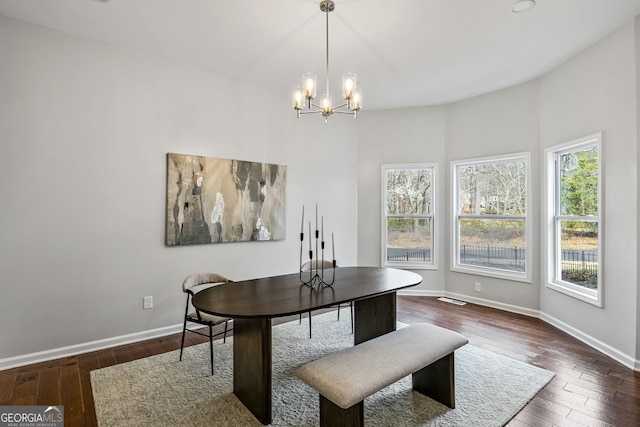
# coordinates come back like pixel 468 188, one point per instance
pixel 316 264
pixel 197 279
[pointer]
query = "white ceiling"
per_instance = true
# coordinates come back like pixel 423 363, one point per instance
pixel 406 52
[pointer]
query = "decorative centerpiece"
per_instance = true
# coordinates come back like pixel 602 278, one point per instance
pixel 316 267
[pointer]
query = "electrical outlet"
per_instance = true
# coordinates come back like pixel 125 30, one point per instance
pixel 478 287
pixel 147 303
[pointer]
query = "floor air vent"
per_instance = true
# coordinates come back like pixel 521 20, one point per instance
pixel 451 301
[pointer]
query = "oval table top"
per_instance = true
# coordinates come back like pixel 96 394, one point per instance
pixel 285 295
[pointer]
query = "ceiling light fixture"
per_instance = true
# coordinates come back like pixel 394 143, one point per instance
pixel 522 6
pixel 304 95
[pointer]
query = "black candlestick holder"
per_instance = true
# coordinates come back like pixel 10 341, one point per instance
pixel 316 276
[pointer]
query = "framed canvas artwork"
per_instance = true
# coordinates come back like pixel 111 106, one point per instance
pixel 212 200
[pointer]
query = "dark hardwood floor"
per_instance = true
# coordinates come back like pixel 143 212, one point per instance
pixel 589 388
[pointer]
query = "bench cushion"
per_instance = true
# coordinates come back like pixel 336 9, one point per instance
pixel 349 376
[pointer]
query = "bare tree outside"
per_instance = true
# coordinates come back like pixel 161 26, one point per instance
pixel 408 191
pixel 492 206
pixel 409 214
pixel 498 188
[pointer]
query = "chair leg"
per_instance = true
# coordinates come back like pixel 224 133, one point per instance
pixel 300 319
pixel 211 346
pixel 309 324
pixel 184 330
pixel 351 308
pixel 224 337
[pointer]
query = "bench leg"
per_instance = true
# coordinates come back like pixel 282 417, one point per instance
pixel 331 415
pixel 437 381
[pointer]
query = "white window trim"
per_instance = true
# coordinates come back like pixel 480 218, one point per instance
pixel 455 229
pixel 433 265
pixel 594 297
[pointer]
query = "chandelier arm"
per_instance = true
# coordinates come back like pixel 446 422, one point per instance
pixel 310 112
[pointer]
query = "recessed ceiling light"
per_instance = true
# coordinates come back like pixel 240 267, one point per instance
pixel 102 1
pixel 522 6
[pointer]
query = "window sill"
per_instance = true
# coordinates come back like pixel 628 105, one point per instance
pixel 492 272
pixel 590 296
pixel 410 265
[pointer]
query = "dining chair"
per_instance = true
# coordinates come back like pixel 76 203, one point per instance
pixel 317 265
pixel 191 285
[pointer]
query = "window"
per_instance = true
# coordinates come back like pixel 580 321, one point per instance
pixel 573 201
pixel 408 222
pixel 490 224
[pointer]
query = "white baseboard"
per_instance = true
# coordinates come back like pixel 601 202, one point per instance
pixel 592 342
pixel 493 304
pixel 467 298
pixel 43 356
pixel 604 348
pixel 421 293
pixel 72 350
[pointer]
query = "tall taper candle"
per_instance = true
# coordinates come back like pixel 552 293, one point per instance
pixel 309 235
pixel 302 225
pixel 316 217
pixel 333 247
pixel 322 228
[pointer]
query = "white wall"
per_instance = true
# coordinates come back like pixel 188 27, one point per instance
pixel 597 91
pixel 84 131
pixel 411 135
pixel 502 122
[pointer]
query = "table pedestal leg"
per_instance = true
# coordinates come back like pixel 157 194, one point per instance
pixel 252 366
pixel 374 317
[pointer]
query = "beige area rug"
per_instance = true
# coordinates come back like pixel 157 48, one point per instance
pixel 161 391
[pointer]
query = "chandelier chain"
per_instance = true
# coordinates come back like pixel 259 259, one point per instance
pixel 327 33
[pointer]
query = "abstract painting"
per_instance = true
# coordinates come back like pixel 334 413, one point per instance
pixel 211 200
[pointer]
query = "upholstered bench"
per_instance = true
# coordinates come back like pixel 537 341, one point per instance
pixel 344 379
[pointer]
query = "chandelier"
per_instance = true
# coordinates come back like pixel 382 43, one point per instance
pixel 304 96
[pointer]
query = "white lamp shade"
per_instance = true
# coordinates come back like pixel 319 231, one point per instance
pixel 297 98
pixel 309 84
pixel 349 85
pixel 356 101
pixel 325 102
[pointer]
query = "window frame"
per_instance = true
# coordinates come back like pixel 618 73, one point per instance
pixel 456 265
pixel 412 265
pixel 554 218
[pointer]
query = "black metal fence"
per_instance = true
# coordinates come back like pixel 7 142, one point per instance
pixel 578 266
pixel 408 255
pixel 493 256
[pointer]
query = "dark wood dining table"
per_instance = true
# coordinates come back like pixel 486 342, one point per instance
pixel 253 303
